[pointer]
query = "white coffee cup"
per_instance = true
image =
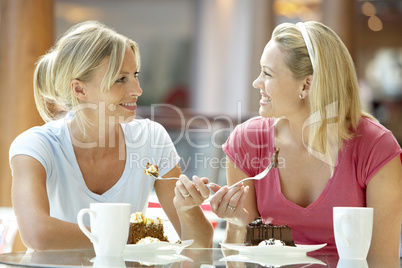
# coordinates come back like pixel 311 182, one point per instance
pixel 353 228
pixel 110 224
pixel 108 262
pixel 352 263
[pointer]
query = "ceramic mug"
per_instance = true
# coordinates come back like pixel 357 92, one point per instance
pixel 108 262
pixel 352 263
pixel 110 224
pixel 353 228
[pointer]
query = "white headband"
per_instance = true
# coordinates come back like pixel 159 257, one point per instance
pixel 306 38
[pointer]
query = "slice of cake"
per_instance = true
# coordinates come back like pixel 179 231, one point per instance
pixel 257 231
pixel 141 227
pixel 152 170
pixel 148 240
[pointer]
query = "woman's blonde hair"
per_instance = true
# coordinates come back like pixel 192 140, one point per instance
pixel 77 54
pixel 334 94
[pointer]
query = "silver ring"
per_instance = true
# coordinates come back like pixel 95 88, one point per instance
pixel 186 195
pixel 230 207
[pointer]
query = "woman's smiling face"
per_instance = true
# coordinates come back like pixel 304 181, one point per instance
pixel 121 98
pixel 278 87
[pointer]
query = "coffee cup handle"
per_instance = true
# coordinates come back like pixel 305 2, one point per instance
pixel 82 226
pixel 340 217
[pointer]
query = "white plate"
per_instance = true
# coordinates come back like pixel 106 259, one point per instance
pixel 273 261
pixel 272 250
pixel 155 259
pixel 158 246
pixel 143 258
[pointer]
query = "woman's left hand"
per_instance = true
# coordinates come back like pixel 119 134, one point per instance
pixel 189 194
pixel 228 204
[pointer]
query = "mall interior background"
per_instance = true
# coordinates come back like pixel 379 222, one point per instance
pixel 202 56
pixel 199 58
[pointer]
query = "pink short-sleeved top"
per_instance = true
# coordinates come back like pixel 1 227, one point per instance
pixel 251 146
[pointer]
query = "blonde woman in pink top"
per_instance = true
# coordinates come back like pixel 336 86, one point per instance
pixel 331 152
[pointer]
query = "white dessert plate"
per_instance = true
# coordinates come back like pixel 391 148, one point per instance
pixel 155 259
pixel 157 246
pixel 142 258
pixel 272 250
pixel 273 261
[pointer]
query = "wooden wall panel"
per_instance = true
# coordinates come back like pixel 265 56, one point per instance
pixel 340 16
pixel 27 31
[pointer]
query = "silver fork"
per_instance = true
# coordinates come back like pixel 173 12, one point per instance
pixel 164 179
pixel 274 163
pixel 256 177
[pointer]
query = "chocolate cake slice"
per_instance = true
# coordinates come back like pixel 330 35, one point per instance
pixel 258 231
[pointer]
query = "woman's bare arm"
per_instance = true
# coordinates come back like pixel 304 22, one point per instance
pixel 38 230
pixel 384 195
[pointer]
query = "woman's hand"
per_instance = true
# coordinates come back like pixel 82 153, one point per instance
pixel 189 194
pixel 229 204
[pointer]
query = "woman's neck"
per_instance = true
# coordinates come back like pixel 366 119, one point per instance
pixel 293 130
pixel 99 138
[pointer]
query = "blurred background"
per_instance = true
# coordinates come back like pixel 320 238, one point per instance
pixel 199 58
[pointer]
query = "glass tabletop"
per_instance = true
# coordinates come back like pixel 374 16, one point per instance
pixel 205 258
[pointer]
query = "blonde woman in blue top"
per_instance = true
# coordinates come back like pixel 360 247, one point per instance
pixel 92 149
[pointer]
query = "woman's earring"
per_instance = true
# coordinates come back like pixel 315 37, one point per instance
pixel 301 96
